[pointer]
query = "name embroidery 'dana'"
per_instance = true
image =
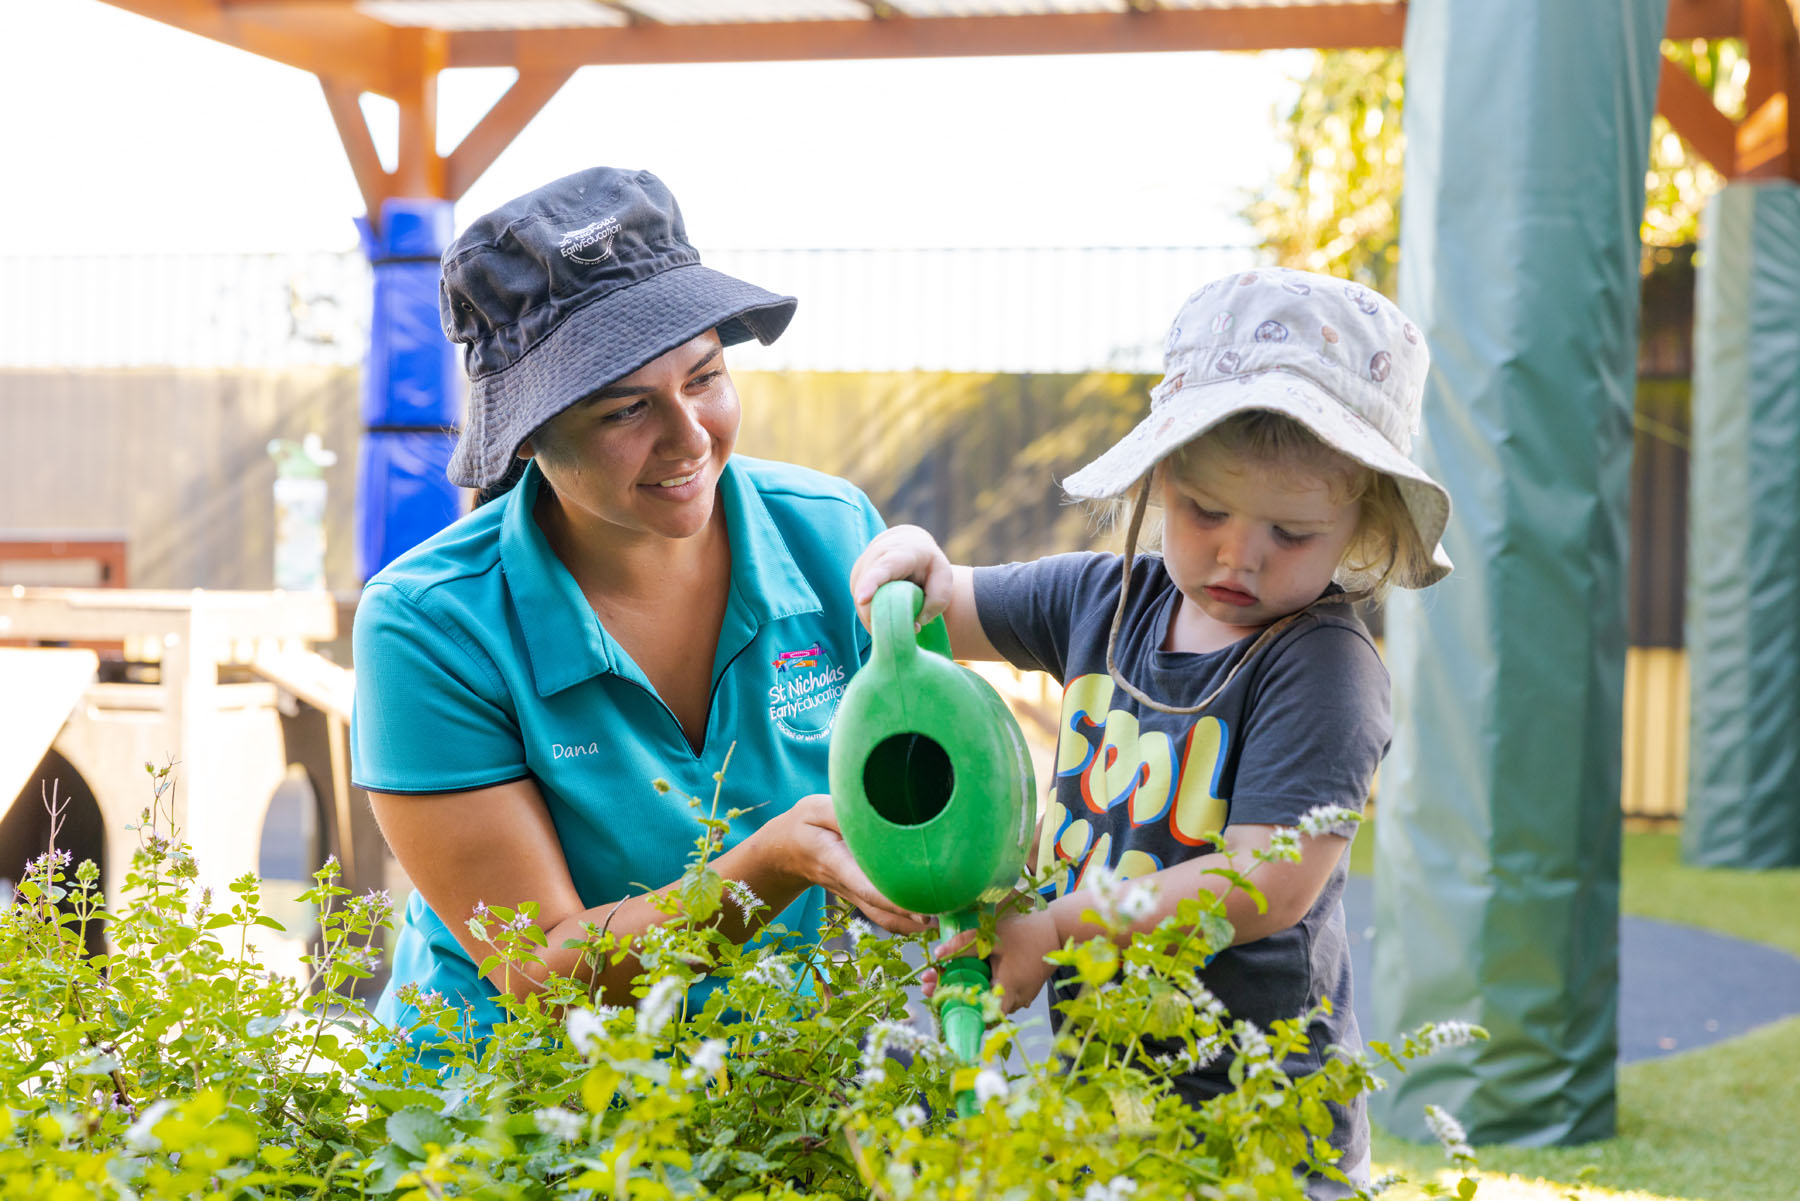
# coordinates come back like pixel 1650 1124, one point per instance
pixel 1153 776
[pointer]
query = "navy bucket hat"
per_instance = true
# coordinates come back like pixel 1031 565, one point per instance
pixel 573 287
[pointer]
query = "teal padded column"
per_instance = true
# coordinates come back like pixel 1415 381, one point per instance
pixel 1498 835
pixel 1743 595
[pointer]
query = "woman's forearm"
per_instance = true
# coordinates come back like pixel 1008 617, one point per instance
pixel 759 864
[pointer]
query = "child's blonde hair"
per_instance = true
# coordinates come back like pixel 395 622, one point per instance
pixel 1386 545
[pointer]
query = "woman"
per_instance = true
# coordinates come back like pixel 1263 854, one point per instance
pixel 638 605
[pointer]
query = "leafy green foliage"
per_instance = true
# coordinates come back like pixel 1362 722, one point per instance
pixel 175 1066
pixel 1335 207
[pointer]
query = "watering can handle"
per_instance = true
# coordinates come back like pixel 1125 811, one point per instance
pixel 893 623
pixel 893 617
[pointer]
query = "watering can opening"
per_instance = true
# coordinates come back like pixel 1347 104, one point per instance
pixel 908 779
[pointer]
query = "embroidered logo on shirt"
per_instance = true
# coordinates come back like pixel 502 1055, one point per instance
pixel 789 660
pixel 804 697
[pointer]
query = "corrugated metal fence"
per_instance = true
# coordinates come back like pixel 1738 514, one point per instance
pixel 1015 309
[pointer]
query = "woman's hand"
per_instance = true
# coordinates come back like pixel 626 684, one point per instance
pixel 904 552
pixel 1017 961
pixel 815 852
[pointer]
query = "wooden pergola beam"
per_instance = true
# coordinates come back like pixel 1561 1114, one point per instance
pixel 353 53
pixel 1768 138
pixel 326 40
pixel 495 132
pixel 353 131
pixel 1709 19
pixel 1690 110
pixel 420 170
pixel 1321 26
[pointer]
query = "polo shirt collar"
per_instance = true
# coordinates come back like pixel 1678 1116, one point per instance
pixel 564 639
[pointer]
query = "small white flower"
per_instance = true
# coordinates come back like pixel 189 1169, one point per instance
pixel 885 1034
pixel 771 971
pixel 1449 1132
pixel 658 1006
pixel 1116 1189
pixel 587 1030
pixel 910 1117
pixel 743 896
pixel 1284 844
pixel 1205 1051
pixel 559 1124
pixel 1444 1035
pixel 139 1137
pixel 1137 902
pixel 1382 1184
pixel 710 1058
pixel 988 1085
pixel 1327 818
pixel 871 1076
pixel 858 930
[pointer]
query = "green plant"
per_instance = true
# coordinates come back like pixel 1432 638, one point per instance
pixel 1335 205
pixel 175 1066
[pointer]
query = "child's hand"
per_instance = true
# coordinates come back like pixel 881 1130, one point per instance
pixel 1017 961
pixel 905 552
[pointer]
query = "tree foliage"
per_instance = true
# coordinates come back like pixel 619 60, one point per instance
pixel 1335 207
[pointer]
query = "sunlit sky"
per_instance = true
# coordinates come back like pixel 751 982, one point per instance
pixel 122 134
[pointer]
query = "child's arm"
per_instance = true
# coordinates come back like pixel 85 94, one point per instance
pixel 1290 888
pixel 907 552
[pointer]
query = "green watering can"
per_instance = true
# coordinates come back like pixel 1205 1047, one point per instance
pixel 933 788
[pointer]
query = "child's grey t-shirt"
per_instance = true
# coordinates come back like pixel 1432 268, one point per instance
pixel 1303 724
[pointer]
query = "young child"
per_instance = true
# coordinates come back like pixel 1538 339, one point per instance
pixel 1227 684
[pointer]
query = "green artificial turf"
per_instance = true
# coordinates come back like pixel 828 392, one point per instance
pixel 1715 1124
pixel 1760 906
pixel 1719 1123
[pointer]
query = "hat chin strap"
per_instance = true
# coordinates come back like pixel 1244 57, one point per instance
pixel 1263 639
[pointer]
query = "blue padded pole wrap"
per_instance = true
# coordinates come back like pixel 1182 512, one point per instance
pixel 412 389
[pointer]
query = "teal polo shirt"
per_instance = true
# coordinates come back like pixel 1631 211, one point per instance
pixel 479 662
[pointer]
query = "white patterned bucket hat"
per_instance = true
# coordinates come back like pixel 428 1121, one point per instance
pixel 1334 356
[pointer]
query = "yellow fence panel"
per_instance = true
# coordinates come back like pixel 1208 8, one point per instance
pixel 1654 781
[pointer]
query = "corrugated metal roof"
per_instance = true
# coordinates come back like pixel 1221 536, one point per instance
pixel 472 15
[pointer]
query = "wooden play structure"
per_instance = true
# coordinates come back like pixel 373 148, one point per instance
pixel 226 685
